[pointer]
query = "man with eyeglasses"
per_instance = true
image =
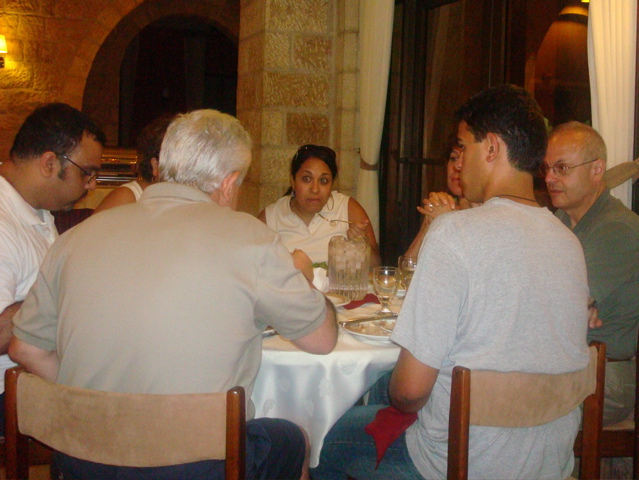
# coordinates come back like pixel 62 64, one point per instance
pixel 479 298
pixel 207 281
pixel 54 160
pixel 574 169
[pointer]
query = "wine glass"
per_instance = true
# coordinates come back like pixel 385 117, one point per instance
pixel 407 264
pixel 385 282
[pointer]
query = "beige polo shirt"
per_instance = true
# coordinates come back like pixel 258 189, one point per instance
pixel 166 295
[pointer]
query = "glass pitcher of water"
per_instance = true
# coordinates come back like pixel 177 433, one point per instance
pixel 348 262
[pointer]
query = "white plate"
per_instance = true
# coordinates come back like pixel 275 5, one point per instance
pixel 338 300
pixel 370 330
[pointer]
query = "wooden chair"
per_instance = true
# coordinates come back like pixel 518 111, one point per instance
pixel 39 454
pixel 64 220
pixel 123 429
pixel 516 400
pixel 622 439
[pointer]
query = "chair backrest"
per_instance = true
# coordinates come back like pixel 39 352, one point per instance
pixel 135 430
pixel 64 220
pixel 635 463
pixel 518 400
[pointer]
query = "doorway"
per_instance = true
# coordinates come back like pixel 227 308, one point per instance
pixel 174 65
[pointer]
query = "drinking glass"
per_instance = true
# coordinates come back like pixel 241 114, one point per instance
pixel 385 282
pixel 406 265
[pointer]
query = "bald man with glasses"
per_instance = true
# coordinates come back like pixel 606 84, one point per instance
pixel 574 169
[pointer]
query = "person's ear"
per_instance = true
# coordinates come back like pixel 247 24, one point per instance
pixel 155 169
pixel 49 164
pixel 228 190
pixel 599 168
pixel 492 146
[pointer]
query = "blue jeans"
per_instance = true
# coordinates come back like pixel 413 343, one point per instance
pixel 619 391
pixel 349 451
pixel 275 449
pixel 378 394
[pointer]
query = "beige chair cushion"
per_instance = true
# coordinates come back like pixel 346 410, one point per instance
pixel 627 424
pixel 517 400
pixel 123 429
pixel 622 172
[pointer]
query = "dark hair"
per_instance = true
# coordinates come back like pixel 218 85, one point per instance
pixel 513 114
pixel 325 154
pixel 149 142
pixel 55 127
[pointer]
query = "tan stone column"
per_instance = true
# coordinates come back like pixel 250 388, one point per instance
pixel 295 86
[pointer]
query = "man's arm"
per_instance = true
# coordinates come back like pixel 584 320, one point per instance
pixel 304 264
pixel 323 339
pixel 6 326
pixel 35 360
pixel 593 314
pixel 411 383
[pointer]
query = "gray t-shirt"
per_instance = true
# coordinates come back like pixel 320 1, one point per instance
pixel 501 287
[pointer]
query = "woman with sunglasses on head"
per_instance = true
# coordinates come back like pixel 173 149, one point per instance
pixel 311 212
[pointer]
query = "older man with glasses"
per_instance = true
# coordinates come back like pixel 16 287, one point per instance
pixel 37 179
pixel 574 170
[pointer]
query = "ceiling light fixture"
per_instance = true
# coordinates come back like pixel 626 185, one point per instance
pixel 3 50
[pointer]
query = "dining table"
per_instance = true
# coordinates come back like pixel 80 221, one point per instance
pixel 314 391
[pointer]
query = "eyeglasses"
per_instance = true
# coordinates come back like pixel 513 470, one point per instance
pixel 560 170
pixel 87 173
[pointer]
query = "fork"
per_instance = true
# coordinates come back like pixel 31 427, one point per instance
pixel 333 222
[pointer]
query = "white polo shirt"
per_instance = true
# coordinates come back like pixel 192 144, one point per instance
pixel 312 239
pixel 26 234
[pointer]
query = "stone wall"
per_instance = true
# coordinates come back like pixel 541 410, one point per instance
pixel 297 74
pixel 296 85
pixel 53 45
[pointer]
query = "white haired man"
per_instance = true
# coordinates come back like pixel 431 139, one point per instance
pixel 574 168
pixel 171 295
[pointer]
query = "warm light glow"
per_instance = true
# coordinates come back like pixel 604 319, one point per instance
pixel 585 1
pixel 3 44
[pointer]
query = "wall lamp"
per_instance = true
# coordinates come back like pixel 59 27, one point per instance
pixel 3 50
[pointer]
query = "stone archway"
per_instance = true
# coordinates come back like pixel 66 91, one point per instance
pixel 100 87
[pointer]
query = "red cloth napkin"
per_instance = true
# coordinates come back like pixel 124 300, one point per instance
pixel 369 298
pixel 388 425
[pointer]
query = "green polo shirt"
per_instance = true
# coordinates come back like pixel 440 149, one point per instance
pixel 609 235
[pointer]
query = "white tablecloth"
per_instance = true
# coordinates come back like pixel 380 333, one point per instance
pixel 314 391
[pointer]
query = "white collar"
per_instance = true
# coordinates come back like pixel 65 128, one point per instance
pixel 26 212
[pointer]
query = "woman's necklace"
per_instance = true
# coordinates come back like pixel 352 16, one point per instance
pixel 532 200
